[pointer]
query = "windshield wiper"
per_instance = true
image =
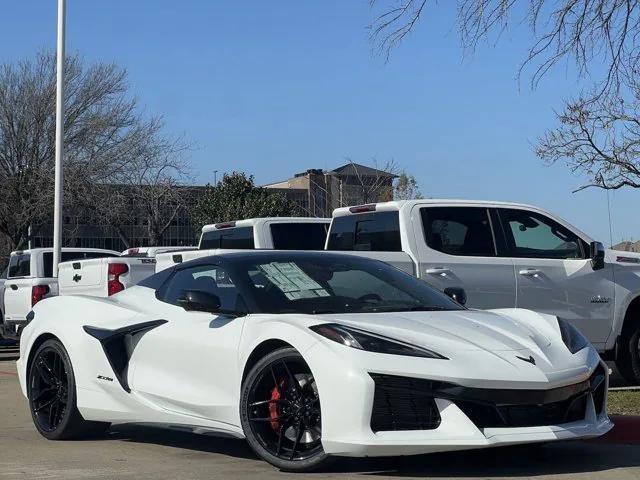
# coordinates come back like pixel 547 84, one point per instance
pixel 320 311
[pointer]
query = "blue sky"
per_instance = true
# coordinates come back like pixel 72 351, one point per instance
pixel 273 88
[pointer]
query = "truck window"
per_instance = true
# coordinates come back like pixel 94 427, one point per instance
pixel 531 235
pixel 20 266
pixel 240 238
pixel 47 259
pixel 376 232
pixel 299 236
pixel 464 231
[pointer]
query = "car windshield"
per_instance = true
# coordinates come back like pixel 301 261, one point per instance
pixel 316 284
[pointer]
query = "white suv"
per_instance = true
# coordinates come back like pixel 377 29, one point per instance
pixel 506 255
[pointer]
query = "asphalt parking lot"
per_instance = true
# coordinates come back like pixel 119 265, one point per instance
pixel 141 453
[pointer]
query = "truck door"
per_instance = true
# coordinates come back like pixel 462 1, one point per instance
pixel 457 247
pixel 17 294
pixel 554 273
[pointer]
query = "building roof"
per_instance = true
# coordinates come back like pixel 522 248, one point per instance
pixel 627 246
pixel 356 169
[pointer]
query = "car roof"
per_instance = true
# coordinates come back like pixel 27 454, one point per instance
pixel 250 222
pixel 65 249
pixel 243 255
pixel 397 205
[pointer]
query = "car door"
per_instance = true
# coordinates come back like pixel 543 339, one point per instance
pixel 17 297
pixel 555 275
pixel 190 364
pixel 457 247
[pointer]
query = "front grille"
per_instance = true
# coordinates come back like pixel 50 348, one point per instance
pixel 399 405
pixel 403 403
pixel 511 416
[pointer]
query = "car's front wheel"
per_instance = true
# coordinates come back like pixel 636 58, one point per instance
pixel 280 412
pixel 52 395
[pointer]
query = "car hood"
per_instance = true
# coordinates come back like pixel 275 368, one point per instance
pixel 494 331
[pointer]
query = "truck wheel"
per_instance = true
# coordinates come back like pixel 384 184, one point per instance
pixel 628 361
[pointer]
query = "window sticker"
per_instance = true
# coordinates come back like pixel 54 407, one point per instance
pixel 292 281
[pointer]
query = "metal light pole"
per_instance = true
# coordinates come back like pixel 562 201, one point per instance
pixel 57 201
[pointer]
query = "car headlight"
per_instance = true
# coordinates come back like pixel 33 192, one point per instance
pixel 371 342
pixel 571 336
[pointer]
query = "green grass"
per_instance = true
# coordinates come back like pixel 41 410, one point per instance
pixel 624 403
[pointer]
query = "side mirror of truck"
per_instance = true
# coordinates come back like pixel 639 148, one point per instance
pixel 457 294
pixel 596 252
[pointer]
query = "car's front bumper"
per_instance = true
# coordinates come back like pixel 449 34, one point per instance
pixel 347 396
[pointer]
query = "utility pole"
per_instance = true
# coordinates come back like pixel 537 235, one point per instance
pixel 57 202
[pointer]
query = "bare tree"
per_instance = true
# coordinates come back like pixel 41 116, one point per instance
pixel 106 140
pixel 585 30
pixel 598 136
pixel 147 184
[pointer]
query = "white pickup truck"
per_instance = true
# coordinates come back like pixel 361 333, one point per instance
pixel 273 233
pixel 30 279
pixel 276 233
pixel 506 255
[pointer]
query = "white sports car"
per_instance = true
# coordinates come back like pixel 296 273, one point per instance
pixel 308 356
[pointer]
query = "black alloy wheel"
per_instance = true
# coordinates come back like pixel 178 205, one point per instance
pixel 52 395
pixel 280 412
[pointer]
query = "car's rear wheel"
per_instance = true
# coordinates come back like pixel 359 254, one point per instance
pixel 280 412
pixel 52 395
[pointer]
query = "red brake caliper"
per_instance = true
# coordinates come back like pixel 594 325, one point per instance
pixel 273 408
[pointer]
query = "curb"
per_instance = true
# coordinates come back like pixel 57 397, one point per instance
pixel 626 431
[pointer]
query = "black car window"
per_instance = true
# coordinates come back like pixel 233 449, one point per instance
pixel 327 283
pixel 20 265
pixel 47 259
pixel 205 278
pixel 462 231
pixel 376 232
pixel 240 238
pixel 532 235
pixel 299 236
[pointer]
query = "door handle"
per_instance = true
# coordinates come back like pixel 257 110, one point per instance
pixel 437 271
pixel 13 286
pixel 530 272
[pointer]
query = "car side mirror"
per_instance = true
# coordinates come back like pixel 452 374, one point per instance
pixel 199 301
pixel 457 294
pixel 597 252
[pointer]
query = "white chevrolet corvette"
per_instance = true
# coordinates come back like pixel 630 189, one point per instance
pixel 308 356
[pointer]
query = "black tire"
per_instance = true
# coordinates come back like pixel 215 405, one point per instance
pixel 287 431
pixel 51 389
pixel 628 361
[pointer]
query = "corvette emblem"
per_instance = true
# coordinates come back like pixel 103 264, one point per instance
pixel 77 278
pixel 530 360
